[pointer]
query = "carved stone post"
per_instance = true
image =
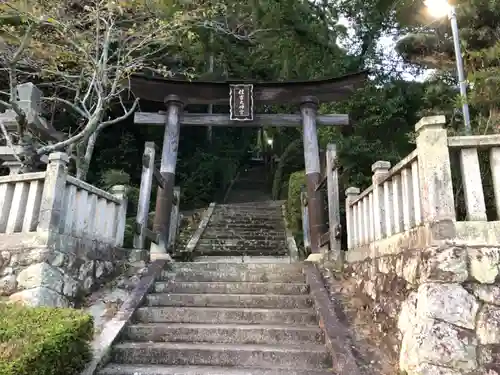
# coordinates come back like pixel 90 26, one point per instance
pixel 165 195
pixel 434 170
pixel 308 109
pixel 52 208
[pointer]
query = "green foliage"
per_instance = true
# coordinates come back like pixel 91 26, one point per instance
pixel 43 341
pixel 291 160
pixel 293 206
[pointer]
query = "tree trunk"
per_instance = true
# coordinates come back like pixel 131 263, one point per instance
pixel 83 168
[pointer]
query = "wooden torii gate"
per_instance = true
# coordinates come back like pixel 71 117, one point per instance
pixel 242 96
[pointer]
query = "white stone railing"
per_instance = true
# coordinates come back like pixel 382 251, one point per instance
pixel 93 213
pixel 53 206
pixel 20 198
pixel 412 204
pixel 389 206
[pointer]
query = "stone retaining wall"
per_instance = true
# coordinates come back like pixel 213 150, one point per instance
pixel 446 300
pixel 41 276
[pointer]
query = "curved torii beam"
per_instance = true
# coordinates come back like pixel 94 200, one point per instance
pixel 176 93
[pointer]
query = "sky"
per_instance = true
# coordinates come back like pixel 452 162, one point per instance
pixel 385 45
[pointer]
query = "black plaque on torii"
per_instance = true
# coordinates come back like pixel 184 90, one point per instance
pixel 241 102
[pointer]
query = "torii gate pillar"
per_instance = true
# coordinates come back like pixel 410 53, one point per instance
pixel 308 109
pixel 165 195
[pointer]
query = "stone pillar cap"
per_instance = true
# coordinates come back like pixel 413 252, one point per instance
pixel 59 156
pixel 119 189
pixel 352 191
pixel 381 165
pixel 430 122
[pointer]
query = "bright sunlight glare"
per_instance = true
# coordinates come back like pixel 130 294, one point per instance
pixel 438 8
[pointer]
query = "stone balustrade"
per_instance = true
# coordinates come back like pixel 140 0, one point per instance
pixel 59 236
pixel 412 204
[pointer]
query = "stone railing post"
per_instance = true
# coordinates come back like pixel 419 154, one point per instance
pixel 174 218
pixel 305 218
pixel 52 206
pixel 436 189
pixel 120 192
pixel 148 165
pixel 380 171
pixel 333 201
pixel 353 235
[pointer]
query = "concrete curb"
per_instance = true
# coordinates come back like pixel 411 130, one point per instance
pixel 290 239
pixel 101 345
pixel 195 238
pixel 337 337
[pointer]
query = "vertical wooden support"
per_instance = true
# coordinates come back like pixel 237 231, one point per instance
pixel 118 230
pixel 148 162
pixel 305 218
pixel 308 110
pixel 51 207
pixel 174 218
pixel 167 169
pixel 354 227
pixel 332 182
pixel 380 171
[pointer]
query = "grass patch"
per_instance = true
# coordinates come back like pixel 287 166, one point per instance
pixel 43 341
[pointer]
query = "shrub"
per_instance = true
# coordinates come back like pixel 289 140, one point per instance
pixel 43 341
pixel 293 206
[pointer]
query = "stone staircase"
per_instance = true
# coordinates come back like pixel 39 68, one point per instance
pixel 244 229
pixel 241 308
pixel 216 318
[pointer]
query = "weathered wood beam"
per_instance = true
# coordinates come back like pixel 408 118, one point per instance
pixel 203 119
pixel 148 159
pixel 332 173
pixel 159 178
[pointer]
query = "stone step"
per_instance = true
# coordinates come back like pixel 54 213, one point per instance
pixel 238 242
pixel 242 247
pixel 223 226
pixel 261 204
pixel 256 276
pixel 232 287
pixel 224 333
pixel 232 234
pixel 218 315
pixel 296 356
pixel 243 216
pixel 244 259
pixel 225 251
pixel 270 266
pixel 122 369
pixel 262 301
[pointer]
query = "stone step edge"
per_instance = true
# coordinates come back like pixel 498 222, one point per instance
pixel 282 348
pixel 242 326
pixel 126 369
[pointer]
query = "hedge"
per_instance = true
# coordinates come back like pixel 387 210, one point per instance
pixel 293 207
pixel 43 341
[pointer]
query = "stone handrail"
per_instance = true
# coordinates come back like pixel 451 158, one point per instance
pixel 54 203
pixel 412 204
pixel 93 213
pixel 20 198
pixel 389 206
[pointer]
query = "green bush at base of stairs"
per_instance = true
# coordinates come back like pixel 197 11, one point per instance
pixel 43 341
pixel 293 207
